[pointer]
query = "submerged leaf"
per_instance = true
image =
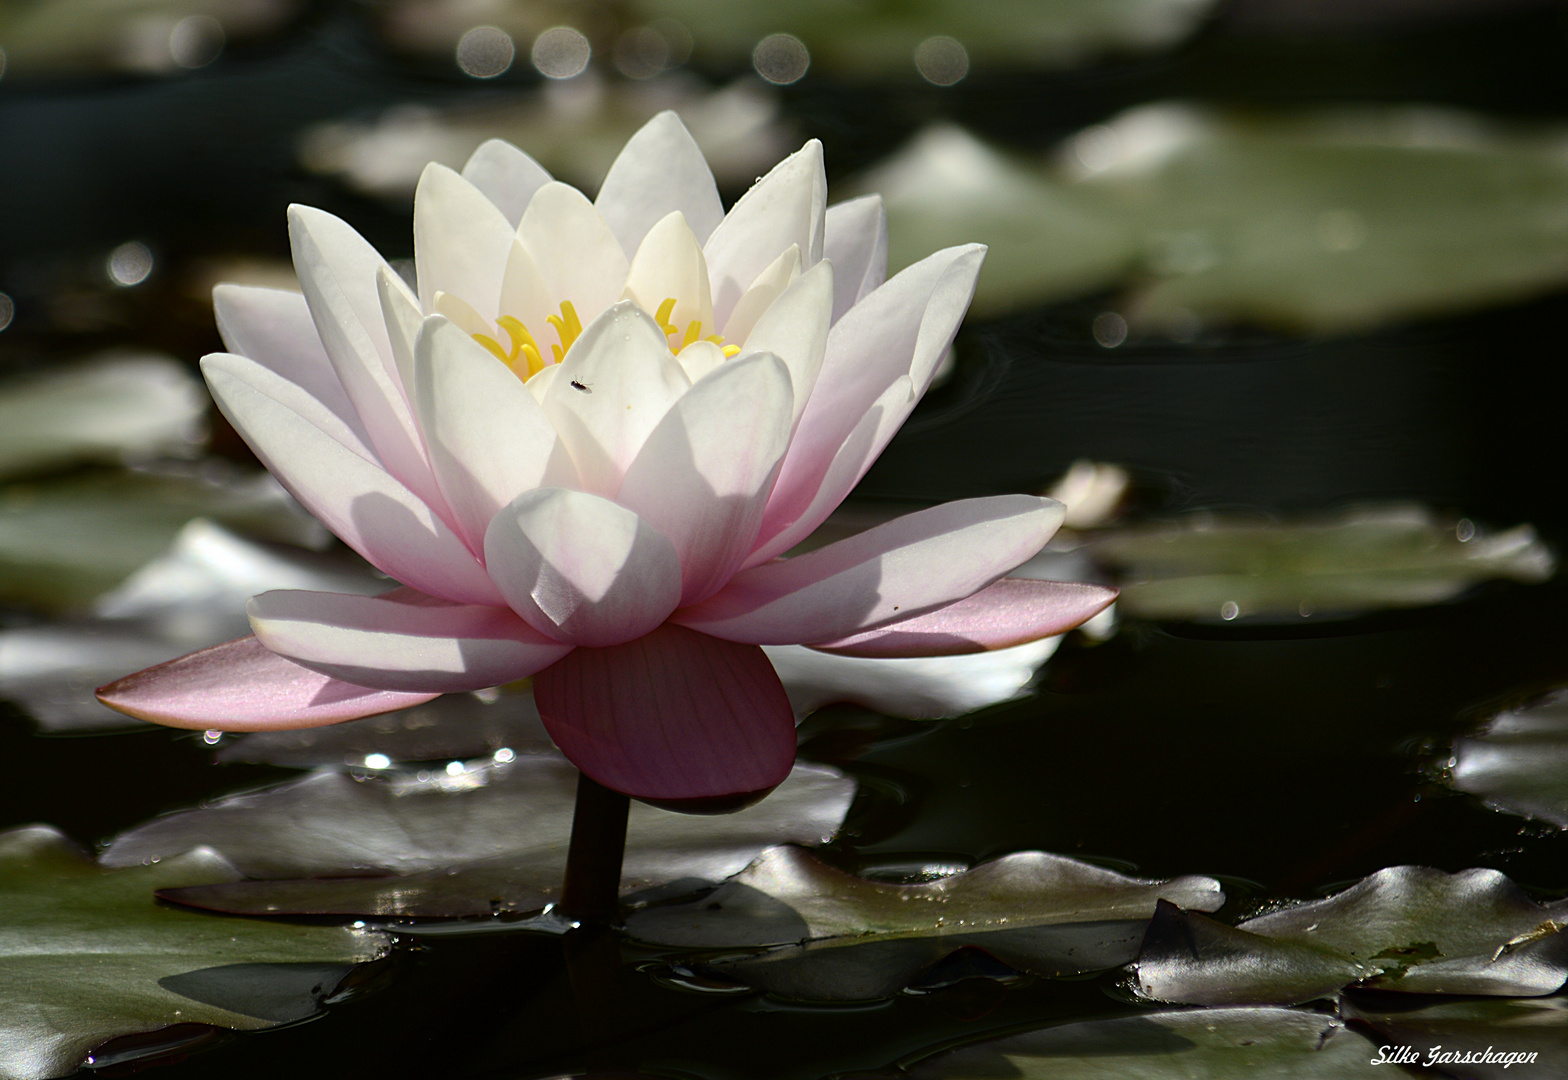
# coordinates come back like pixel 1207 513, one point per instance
pixel 1359 560
pixel 475 839
pixel 836 936
pixel 1519 762
pixel 1406 928
pixel 87 954
pixel 1215 1044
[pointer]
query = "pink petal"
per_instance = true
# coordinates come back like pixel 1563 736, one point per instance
pixel 703 476
pixel 896 571
pixel 673 715
pixel 403 640
pixel 291 396
pixel 273 327
pixel 785 207
pixel 903 328
pixel 242 685
pixel 1005 613
pixel 507 176
pixel 855 241
pixel 581 568
pixel 658 171
pixel 357 500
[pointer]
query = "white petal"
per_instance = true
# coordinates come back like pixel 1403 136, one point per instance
pixel 403 641
pixel 669 265
pixel 700 358
pixel 613 387
pixel 461 241
pixel 769 285
pixel 489 440
pixel 524 297
pixel 291 396
pixel 660 170
pixel 795 329
pixel 539 384
pixel 507 176
pixel 855 239
pixel 907 567
pixel 364 506
pixel 578 257
pixel 339 273
pixel 401 315
pixel 461 312
pixel 785 207
pixel 703 476
pixel 274 328
pixel 582 569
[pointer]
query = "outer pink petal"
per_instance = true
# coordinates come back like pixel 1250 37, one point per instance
pixel 903 328
pixel 290 395
pixel 1005 613
pixel 855 241
pixel 896 571
pixel 785 207
pixel 507 176
pixel 274 328
pixel 703 476
pixel 362 504
pixel 659 170
pixel 674 715
pixel 581 568
pixel 403 640
pixel 242 685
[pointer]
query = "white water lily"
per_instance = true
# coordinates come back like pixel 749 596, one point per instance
pixel 583 444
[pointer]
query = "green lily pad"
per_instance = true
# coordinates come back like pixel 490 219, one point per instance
pixel 1212 1044
pixel 477 838
pixel 832 935
pixel 87 954
pixel 1485 1039
pixel 1365 559
pixel 1407 928
pixel 1519 762
pixel 66 540
pixel 113 409
pixel 1326 224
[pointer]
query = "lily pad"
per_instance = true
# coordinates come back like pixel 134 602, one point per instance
pixel 1332 223
pixel 473 838
pixel 1406 928
pixel 832 935
pixel 1364 559
pixel 1214 1044
pixel 1484 1039
pixel 1519 761
pixel 87 954
pixel 191 596
pixel 65 541
pixel 112 409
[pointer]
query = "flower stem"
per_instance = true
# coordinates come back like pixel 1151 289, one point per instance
pixel 591 891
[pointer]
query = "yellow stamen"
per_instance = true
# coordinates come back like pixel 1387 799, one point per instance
pixel 693 331
pixel 731 350
pixel 567 327
pixel 662 317
pixel 522 343
pixel 494 346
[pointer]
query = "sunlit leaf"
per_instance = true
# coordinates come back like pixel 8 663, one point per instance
pixel 838 936
pixel 1214 1044
pixel 1331 223
pixel 1519 762
pixel 469 839
pixel 1212 568
pixel 1407 928
pixel 87 954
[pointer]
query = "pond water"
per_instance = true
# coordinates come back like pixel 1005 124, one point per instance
pixel 1326 582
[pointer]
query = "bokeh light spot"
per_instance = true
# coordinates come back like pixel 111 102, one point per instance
pixel 196 41
pixel 561 52
pixel 1110 329
pixel 781 58
pixel 130 263
pixel 485 52
pixel 942 60
pixel 7 311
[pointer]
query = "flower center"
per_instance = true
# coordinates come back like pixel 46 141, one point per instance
pixel 526 358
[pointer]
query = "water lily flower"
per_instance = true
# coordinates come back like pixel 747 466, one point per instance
pixel 582 447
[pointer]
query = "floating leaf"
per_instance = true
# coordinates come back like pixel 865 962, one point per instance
pixel 87 954
pixel 1486 1039
pixel 1329 224
pixel 465 840
pixel 64 541
pixel 1214 1044
pixel 1406 928
pixel 1213 568
pixel 838 936
pixel 189 597
pixel 1519 762
pixel 112 409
